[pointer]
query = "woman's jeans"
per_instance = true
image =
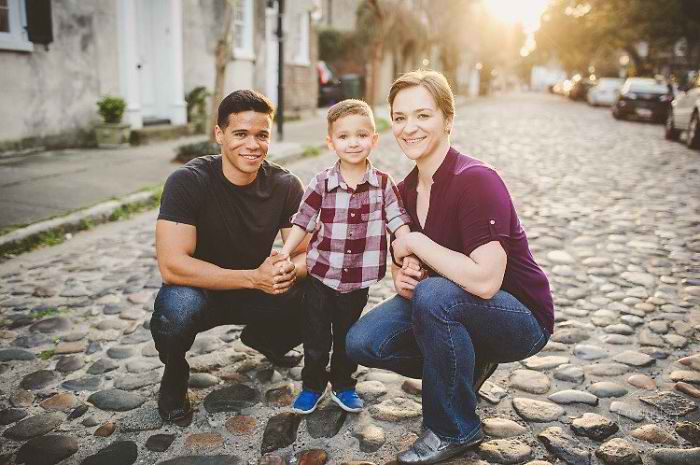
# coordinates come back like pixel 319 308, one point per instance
pixel 439 335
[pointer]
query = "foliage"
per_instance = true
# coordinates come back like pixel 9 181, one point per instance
pixel 581 33
pixel 310 151
pixel 382 124
pixel 111 109
pixel 333 44
pixel 197 102
pixel 51 311
pixel 187 152
pixel 47 354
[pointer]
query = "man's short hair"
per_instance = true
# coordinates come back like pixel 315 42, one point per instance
pixel 349 107
pixel 244 100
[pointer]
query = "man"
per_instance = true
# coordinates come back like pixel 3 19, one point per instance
pixel 219 217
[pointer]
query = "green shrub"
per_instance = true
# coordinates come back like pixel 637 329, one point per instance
pixel 111 109
pixel 187 152
pixel 197 102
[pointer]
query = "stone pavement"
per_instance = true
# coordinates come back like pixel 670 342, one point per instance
pixel 612 212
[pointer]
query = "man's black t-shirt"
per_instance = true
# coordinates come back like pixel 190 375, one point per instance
pixel 236 225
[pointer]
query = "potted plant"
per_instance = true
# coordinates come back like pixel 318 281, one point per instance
pixel 111 133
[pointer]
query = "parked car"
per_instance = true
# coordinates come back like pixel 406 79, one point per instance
pixel 685 114
pixel 330 88
pixel 605 91
pixel 644 98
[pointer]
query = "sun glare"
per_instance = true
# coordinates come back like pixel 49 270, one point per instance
pixel 525 12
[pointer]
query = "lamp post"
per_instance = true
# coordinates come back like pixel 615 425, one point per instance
pixel 280 66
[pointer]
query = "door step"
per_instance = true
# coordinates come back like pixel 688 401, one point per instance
pixel 158 132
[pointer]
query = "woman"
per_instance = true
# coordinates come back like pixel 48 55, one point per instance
pixel 481 300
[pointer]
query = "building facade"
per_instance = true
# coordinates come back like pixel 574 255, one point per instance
pixel 151 53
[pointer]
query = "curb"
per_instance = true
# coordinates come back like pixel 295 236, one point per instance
pixel 75 221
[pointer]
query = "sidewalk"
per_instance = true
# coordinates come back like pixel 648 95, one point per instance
pixel 48 184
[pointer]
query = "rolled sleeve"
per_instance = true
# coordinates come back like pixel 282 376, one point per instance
pixel 394 211
pixel 310 206
pixel 487 210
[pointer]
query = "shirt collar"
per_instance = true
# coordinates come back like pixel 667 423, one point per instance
pixel 443 172
pixel 335 178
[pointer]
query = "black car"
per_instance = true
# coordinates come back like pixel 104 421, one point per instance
pixel 644 98
pixel 330 88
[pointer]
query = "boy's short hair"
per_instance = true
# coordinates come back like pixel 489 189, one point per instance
pixel 349 107
pixel 243 100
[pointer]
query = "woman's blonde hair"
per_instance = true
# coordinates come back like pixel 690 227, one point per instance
pixel 432 81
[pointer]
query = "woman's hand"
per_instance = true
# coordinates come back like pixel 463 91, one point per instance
pixel 408 276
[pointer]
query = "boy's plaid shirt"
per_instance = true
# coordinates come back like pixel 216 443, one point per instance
pixel 349 244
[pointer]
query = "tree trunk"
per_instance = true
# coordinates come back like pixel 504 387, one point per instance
pixel 222 54
pixel 375 65
pixel 375 55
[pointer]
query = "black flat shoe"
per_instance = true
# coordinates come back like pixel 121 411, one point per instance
pixel 429 449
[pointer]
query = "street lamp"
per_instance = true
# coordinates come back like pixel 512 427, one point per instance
pixel 280 65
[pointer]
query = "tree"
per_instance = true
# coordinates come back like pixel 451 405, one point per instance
pixel 373 20
pixel 222 55
pixel 579 32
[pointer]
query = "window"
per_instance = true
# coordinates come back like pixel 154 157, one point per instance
pixel 243 30
pixel 13 26
pixel 300 39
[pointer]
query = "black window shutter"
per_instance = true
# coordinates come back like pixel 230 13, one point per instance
pixel 39 25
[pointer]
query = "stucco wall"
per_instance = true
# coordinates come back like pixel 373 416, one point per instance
pixel 202 27
pixel 52 93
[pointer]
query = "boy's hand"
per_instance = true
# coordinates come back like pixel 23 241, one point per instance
pixel 286 275
pixel 406 279
pixel 401 247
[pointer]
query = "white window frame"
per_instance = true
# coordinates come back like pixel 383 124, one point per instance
pixel 17 39
pixel 300 46
pixel 244 51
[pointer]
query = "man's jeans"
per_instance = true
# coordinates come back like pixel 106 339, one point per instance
pixel 438 336
pixel 180 312
pixel 328 315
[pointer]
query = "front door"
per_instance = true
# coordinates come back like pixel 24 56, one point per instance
pixel 152 43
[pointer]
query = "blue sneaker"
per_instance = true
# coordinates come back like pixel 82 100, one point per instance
pixel 348 400
pixel 307 401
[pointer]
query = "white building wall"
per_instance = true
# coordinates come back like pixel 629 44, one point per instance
pixel 45 93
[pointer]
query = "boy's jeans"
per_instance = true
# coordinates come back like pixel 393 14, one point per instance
pixel 438 336
pixel 180 312
pixel 328 315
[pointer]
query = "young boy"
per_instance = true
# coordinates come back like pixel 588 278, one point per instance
pixel 354 204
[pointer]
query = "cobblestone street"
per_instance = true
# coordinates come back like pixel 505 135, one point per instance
pixel 612 211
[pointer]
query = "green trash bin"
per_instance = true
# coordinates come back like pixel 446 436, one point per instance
pixel 352 86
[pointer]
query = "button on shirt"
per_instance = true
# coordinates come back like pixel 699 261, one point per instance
pixel 349 244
